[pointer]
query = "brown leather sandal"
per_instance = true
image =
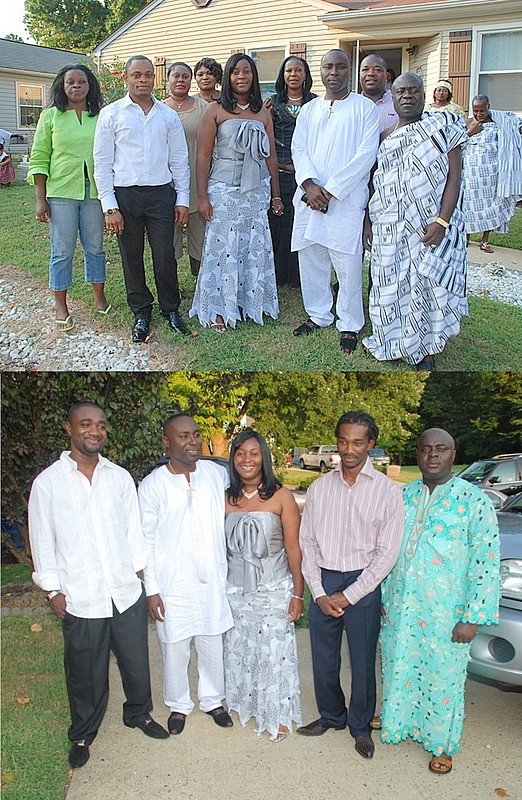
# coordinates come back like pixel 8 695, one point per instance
pixel 441 765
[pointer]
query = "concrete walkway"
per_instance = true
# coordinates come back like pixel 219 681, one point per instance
pixel 208 763
pixel 511 259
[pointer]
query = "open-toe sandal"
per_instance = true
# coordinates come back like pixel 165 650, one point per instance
pixel 441 765
pixel 306 328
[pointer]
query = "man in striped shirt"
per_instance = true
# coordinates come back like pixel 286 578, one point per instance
pixel 350 537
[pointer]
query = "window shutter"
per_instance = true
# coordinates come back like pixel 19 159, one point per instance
pixel 160 73
pixel 298 49
pixel 459 66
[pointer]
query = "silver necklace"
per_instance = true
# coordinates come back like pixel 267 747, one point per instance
pixel 249 495
pixel 243 108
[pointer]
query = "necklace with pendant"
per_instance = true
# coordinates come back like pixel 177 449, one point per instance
pixel 243 108
pixel 249 495
pixel 294 105
pixel 179 474
pixel 179 105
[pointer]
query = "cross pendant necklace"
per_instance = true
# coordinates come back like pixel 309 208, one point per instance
pixel 190 488
pixel 330 107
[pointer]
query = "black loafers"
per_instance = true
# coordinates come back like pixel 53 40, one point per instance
pixel 149 727
pixel 318 727
pixel 176 322
pixel 140 329
pixel 78 754
pixel 364 746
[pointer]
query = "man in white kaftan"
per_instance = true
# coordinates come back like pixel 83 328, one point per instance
pixel 183 513
pixel 333 149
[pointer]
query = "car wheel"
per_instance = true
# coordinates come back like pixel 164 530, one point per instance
pixel 323 467
pixel 302 465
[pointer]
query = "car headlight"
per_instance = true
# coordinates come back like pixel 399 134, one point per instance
pixel 511 578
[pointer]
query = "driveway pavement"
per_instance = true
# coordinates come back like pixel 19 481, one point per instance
pixel 208 763
pixel 511 259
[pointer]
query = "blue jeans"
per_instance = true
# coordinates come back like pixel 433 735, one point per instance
pixel 68 218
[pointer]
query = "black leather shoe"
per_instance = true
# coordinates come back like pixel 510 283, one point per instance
pixel 176 322
pixel 176 722
pixel 140 329
pixel 149 728
pixel 78 754
pixel 364 746
pixel 318 727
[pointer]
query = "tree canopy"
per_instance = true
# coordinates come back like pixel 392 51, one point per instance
pixel 77 25
pixel 482 410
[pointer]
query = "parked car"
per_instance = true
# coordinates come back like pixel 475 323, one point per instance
pixel 502 472
pixel 496 652
pixel 164 459
pixel 321 456
pixel 497 498
pixel 379 457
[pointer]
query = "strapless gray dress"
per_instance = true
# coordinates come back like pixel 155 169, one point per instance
pixel 237 277
pixel 261 671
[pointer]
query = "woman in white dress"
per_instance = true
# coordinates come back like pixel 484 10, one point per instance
pixel 236 175
pixel 265 591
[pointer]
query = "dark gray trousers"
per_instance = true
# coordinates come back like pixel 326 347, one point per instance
pixel 87 647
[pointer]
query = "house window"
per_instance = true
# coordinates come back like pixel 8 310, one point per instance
pixel 499 60
pixel 268 60
pixel 30 104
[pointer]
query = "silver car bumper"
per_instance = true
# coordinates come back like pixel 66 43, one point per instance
pixel 496 652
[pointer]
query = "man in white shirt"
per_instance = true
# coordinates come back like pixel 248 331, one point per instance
pixel 334 147
pixel 183 516
pixel 372 77
pixel 142 173
pixel 88 552
pixel 350 538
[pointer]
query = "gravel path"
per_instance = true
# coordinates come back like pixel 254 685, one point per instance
pixel 28 340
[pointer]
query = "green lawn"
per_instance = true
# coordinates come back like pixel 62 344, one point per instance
pixel 15 573
pixel 512 239
pixel 35 712
pixel 489 337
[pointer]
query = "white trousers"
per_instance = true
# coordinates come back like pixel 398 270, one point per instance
pixel 211 683
pixel 315 268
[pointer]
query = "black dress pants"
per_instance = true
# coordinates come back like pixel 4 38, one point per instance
pixel 87 647
pixel 362 625
pixel 286 263
pixel 150 207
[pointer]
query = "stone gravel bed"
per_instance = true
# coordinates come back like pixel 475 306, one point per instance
pixel 28 340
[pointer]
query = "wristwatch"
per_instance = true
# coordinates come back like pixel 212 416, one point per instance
pixel 111 211
pixel 51 595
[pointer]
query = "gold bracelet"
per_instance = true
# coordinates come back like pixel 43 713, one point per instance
pixel 442 222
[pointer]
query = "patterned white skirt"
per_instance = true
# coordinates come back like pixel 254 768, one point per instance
pixel 261 671
pixel 237 275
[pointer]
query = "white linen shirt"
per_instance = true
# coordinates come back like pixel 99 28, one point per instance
pixel 86 538
pixel 132 148
pixel 351 527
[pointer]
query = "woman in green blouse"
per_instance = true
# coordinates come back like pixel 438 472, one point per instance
pixel 61 168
